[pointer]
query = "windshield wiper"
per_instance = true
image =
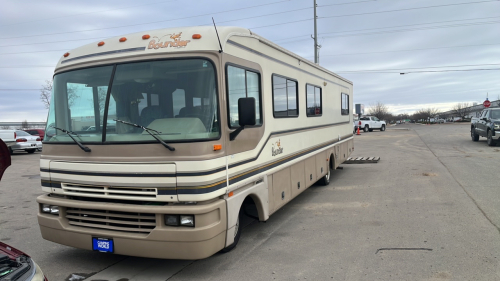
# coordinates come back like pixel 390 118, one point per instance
pixel 148 130
pixel 84 148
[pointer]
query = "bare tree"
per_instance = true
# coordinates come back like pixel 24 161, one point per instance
pixel 25 124
pixel 101 98
pixel 5 127
pixel 379 110
pixel 461 109
pixel 45 93
pixel 425 113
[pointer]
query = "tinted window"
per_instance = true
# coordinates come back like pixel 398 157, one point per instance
pixel 345 104
pixel 313 99
pixel 242 83
pixel 284 97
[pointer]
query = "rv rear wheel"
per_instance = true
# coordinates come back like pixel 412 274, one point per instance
pixel 237 233
pixel 325 180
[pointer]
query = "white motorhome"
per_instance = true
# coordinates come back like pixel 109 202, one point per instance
pixel 158 142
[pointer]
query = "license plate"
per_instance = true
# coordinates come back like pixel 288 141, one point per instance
pixel 103 245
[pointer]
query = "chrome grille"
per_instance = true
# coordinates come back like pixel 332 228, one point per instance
pixel 111 220
pixel 109 192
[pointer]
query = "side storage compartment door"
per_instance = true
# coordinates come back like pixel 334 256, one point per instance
pixel 298 178
pixel 282 192
pixel 310 169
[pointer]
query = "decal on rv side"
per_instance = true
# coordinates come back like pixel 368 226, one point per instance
pixel 177 43
pixel 276 148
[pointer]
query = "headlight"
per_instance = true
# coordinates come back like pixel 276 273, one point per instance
pixel 46 208
pixel 497 126
pixel 54 210
pixel 49 209
pixel 187 220
pixel 172 220
pixel 179 220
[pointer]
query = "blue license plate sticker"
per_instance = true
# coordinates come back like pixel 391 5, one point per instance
pixel 102 245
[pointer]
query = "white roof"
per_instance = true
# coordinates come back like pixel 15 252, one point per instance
pixel 167 40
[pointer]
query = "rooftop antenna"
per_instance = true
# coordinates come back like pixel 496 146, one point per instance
pixel 220 51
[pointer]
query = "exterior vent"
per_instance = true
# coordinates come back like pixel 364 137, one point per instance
pixel 111 220
pixel 109 192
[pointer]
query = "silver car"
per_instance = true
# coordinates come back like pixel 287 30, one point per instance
pixel 26 142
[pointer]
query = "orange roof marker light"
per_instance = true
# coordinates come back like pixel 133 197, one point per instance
pixel 100 43
pixel 65 55
pixel 230 194
pixel 145 36
pixel 123 39
pixel 217 147
pixel 196 36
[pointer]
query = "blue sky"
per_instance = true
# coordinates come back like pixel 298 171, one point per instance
pixel 369 42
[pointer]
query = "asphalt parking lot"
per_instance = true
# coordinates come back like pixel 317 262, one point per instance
pixel 429 210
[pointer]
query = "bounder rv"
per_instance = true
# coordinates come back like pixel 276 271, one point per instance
pixel 158 142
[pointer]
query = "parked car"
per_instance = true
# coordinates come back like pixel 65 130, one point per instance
pixel 368 123
pixel 26 142
pixel 8 136
pixel 14 264
pixel 36 132
pixel 487 125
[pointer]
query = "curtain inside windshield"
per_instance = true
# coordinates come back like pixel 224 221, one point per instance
pixel 176 99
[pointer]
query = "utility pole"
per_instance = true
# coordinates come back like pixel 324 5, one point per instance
pixel 315 36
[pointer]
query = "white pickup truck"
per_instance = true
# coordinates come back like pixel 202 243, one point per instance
pixel 8 136
pixel 368 123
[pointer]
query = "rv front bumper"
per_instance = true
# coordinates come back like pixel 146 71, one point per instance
pixel 136 230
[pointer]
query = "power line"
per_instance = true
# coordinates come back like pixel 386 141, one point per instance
pixel 464 46
pixel 399 69
pixel 409 9
pixel 347 3
pixel 95 29
pixel 73 15
pixel 406 25
pixel 401 30
pixel 38 43
pixel 421 71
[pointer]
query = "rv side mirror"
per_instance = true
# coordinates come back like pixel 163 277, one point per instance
pixel 246 115
pixel 246 111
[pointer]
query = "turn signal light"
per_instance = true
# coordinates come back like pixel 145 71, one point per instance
pixel 123 39
pixel 100 43
pixel 217 147
pixel 145 36
pixel 196 36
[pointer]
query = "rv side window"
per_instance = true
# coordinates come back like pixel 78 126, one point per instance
pixel 314 102
pixel 345 104
pixel 242 83
pixel 285 102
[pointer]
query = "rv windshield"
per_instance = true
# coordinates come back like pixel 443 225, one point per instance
pixel 176 98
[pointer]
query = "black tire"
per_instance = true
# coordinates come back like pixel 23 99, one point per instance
pixel 382 128
pixel 370 130
pixel 237 233
pixel 325 180
pixel 473 135
pixel 366 128
pixel 30 151
pixel 11 151
pixel 490 140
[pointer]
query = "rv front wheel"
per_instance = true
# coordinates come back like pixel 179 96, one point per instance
pixel 325 180
pixel 237 233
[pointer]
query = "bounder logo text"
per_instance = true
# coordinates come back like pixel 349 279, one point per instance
pixel 276 148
